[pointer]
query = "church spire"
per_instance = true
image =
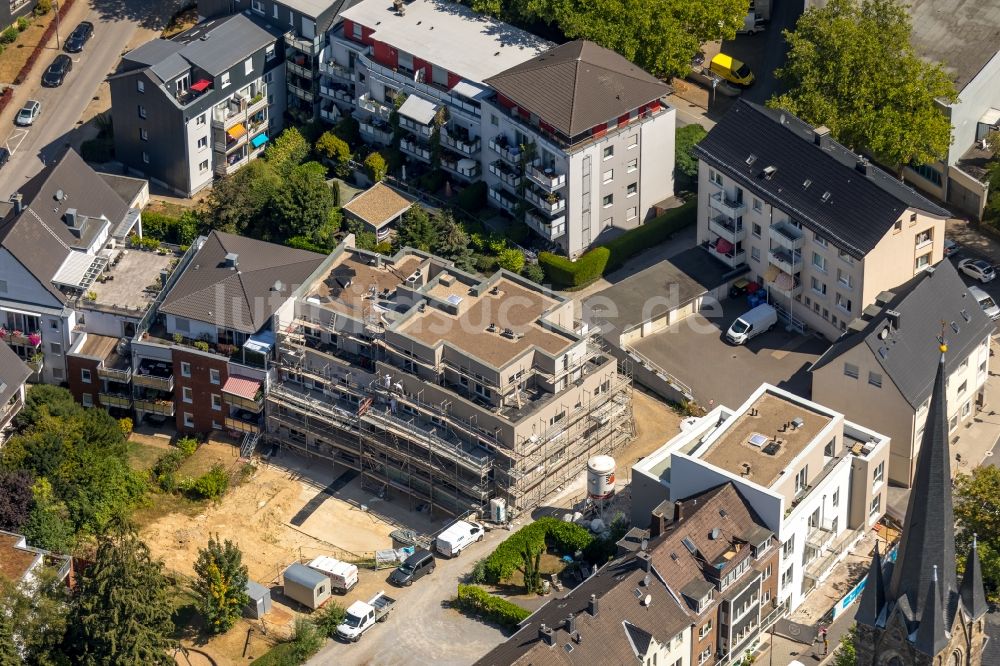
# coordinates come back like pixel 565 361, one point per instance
pixel 932 635
pixel 873 596
pixel 928 541
pixel 973 594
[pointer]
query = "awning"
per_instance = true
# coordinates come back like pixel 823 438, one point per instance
pixel 200 85
pixel 260 343
pixel 722 246
pixel 468 89
pixel 236 131
pixel 772 272
pixel 258 140
pixel 418 109
pixel 991 117
pixel 241 387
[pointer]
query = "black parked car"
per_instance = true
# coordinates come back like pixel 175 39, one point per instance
pixel 79 36
pixel 57 71
pixel 4 156
pixel 415 567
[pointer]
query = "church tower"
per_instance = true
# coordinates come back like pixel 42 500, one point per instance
pixel 913 612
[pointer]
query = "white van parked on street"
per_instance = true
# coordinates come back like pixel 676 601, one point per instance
pixel 751 324
pixel 454 540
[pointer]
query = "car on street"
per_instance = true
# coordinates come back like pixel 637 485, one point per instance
pixel 950 247
pixel 415 567
pixel 4 156
pixel 57 71
pixel 986 302
pixel 80 35
pixel 979 269
pixel 26 116
pixel 732 70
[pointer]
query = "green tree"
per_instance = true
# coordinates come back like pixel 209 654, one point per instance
pixel 531 557
pixel 336 151
pixel 977 512
pixel 376 166
pixel 301 205
pixel 48 524
pixel 239 203
pixel 511 259
pixel 307 640
pixel 452 242
pixel 287 151
pixel 534 273
pixel 851 67
pixel 846 654
pixel 121 614
pixel 363 239
pixel 329 617
pixel 221 584
pixel 416 229
pixel 34 618
pixel 685 161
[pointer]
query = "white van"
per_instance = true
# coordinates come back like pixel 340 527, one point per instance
pixel 986 302
pixel 454 540
pixel 750 324
pixel 343 575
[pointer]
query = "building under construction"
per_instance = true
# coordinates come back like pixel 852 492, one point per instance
pixel 441 388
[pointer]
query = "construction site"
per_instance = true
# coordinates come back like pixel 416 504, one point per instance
pixel 444 390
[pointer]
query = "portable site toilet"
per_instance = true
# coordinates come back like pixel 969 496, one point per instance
pixel 260 600
pixel 306 586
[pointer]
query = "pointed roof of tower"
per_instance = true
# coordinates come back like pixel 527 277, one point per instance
pixel 973 594
pixel 873 596
pixel 928 541
pixel 932 636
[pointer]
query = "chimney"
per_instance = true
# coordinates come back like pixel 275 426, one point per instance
pixel 18 200
pixel 821 136
pixel 592 605
pixel 660 519
pixel 894 318
pixel 546 635
pixel 70 217
pixel 571 624
pixel 647 561
pixel 862 165
pixel 232 260
pixel 164 274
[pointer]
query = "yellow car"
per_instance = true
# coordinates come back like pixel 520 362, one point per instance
pixel 732 70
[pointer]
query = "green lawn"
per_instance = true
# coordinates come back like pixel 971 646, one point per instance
pixel 281 654
pixel 142 456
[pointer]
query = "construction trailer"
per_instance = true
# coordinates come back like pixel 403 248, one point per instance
pixel 306 586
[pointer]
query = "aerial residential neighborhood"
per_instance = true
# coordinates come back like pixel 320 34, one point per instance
pixel 499 332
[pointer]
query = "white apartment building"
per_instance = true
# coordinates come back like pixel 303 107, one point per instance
pixel 474 98
pixel 824 231
pixel 817 480
pixel 882 370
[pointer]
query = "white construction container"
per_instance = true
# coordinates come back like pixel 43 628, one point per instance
pixel 343 575
pixel 498 510
pixel 600 477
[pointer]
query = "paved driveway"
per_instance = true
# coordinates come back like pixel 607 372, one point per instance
pixel 694 351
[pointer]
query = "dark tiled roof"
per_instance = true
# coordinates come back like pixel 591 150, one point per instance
pixel 126 187
pixel 218 44
pixel 604 638
pixel 246 294
pixel 13 373
pixel 859 210
pixel 578 85
pixel 906 355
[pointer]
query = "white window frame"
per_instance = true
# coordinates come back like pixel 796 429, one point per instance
pixel 188 420
pixel 225 80
pixel 217 402
pixel 185 369
pixel 214 376
pixel 85 376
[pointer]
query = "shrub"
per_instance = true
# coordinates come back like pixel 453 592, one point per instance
pixel 472 199
pixel 9 36
pixel 533 272
pixel 562 272
pixel 164 470
pixel 385 247
pixel 652 233
pixel 335 151
pixel 477 601
pixel 565 537
pixel 125 425
pixel 211 484
pixel 23 23
pixel 43 7
pixel 178 338
pixel 484 263
pixel 200 345
pixel 511 259
pixel 328 617
pixel 187 446
pixel 307 641
pixel 376 166
pixel 170 229
pixel 305 243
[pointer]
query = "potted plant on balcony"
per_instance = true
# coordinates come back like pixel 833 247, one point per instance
pixel 552 198
pixel 3 332
pixel 34 339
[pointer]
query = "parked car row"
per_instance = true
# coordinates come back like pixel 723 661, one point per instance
pixel 56 72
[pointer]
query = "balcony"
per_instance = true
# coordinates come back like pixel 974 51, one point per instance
pixel 155 375
pixel 414 149
pixel 225 143
pixel 254 406
pixel 786 235
pixel 546 177
pixel 502 147
pixel 787 260
pixel 115 400
pixel 727 206
pixel 503 200
pixel 10 410
pixel 786 285
pixel 36 363
pixel 413 126
pixel 248 424
pixel 238 108
pixel 24 339
pixel 463 167
pixel 118 374
pixel 551 203
pixel 232 163
pixel 819 536
pixel 337 71
pixel 461 142
pixel 548 229
pixel 377 131
pixel 161 407
pixel 725 227
pixel 506 175
pixel 302 93
pixel 330 115
pixel 299 69
pixel 337 92
pixel 307 46
pixel 726 252
pixel 374 106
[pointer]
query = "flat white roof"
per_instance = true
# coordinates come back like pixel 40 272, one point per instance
pixel 449 35
pixel 418 109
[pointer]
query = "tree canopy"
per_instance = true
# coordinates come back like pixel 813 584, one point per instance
pixel 685 161
pixel 851 67
pixel 977 512
pixel 660 36
pixel 221 584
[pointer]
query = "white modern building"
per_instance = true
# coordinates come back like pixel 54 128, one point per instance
pixel 817 480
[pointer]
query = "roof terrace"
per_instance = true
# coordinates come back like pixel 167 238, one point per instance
pixel 760 441
pixel 130 281
pixel 353 277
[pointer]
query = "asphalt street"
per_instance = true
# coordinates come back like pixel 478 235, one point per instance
pixel 33 147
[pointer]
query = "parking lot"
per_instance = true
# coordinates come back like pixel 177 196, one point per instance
pixel 694 351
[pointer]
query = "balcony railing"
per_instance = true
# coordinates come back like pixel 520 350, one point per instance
pixel 152 381
pixel 503 200
pixel 161 407
pixel 787 260
pixel 508 152
pixel 308 46
pixel 548 229
pixel 302 93
pixel 415 127
pixel 301 70
pixel 465 146
pixel 25 339
pixel 414 149
pixel 374 106
pixel 786 235
pixel 331 115
pixel 730 257
pixel 548 203
pixel 725 227
pixel 10 410
pixel 239 108
pixel 240 425
pixel 506 175
pixel 723 204
pixel 381 133
pixel 547 178
pixel 454 166
pixel 115 400
pixel 123 375
pixel 255 405
pixel 332 68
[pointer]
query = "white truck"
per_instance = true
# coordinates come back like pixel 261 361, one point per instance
pixel 751 324
pixel 458 536
pixel 343 575
pixel 362 616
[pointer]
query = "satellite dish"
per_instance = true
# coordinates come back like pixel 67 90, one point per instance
pixel 884 333
pixel 647 600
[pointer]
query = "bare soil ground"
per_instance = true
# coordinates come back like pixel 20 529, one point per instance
pixel 15 55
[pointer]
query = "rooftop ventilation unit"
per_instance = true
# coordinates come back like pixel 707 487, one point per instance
pixel 715 533
pixel 797 422
pixel 232 260
pixel 769 172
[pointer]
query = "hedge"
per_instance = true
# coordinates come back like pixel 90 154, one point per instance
pixel 477 601
pixel 170 229
pixel 562 272
pixel 655 231
pixel 565 537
